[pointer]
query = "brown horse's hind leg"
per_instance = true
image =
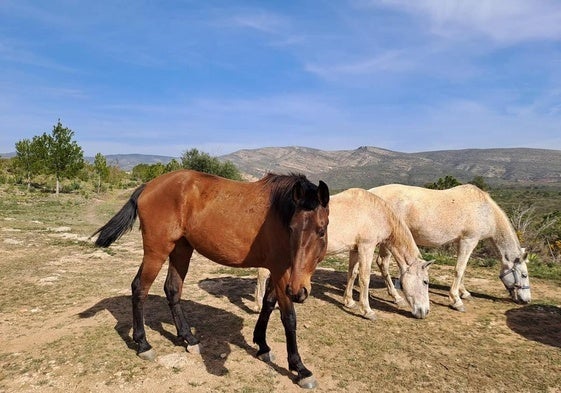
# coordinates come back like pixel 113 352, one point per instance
pixel 260 331
pixel 149 269
pixel 178 266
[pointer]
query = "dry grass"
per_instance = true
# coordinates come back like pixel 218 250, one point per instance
pixel 65 322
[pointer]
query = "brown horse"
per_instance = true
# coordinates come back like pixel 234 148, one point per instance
pixel 279 222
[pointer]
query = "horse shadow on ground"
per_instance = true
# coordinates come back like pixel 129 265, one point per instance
pixel 327 285
pixel 442 292
pixel 235 289
pixel 217 329
pixel 536 322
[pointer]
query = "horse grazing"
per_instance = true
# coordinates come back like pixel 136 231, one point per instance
pixel 279 222
pixel 358 222
pixel 464 215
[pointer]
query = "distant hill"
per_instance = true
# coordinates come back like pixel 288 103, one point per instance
pixel 371 166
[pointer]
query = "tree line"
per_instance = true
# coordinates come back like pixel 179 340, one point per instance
pixel 56 157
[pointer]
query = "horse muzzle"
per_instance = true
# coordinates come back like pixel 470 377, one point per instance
pixel 297 297
pixel 420 312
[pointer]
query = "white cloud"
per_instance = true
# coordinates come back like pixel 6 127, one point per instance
pixel 505 22
pixel 389 61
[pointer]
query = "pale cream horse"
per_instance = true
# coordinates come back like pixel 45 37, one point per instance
pixel 358 222
pixel 464 215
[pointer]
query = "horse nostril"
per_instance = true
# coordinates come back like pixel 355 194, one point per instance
pixel 301 296
pixel 288 291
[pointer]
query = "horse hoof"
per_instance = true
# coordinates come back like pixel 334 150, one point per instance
pixel 267 357
pixel 308 383
pixel 149 355
pixel 458 307
pixel 194 349
pixel 350 303
pixel 466 296
pixel 370 315
pixel 401 302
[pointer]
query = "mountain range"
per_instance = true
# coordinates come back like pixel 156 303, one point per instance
pixel 369 166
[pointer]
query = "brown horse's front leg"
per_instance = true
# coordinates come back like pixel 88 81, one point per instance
pixel 305 379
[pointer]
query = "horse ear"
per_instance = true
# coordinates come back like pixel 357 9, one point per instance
pixel 297 193
pixel 323 193
pixel 524 254
pixel 428 263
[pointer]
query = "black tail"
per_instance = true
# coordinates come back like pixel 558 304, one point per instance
pixel 120 223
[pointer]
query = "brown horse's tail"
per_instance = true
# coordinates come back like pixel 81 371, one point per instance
pixel 120 223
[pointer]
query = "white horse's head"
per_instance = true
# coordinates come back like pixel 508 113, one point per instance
pixel 514 275
pixel 415 285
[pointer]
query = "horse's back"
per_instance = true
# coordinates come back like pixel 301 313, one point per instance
pixel 355 216
pixel 219 217
pixel 441 216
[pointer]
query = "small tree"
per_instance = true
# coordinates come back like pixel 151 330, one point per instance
pixel 203 162
pixel 62 157
pixel 479 182
pixel 444 183
pixel 26 160
pixel 173 165
pixel 100 167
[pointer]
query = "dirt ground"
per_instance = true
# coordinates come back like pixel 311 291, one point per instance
pixel 65 322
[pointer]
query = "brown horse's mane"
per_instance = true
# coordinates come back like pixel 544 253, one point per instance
pixel 282 198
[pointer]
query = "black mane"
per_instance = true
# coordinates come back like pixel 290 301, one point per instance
pixel 282 194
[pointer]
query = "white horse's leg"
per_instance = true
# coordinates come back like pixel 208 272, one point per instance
pixel 383 261
pixel 351 277
pixel 262 275
pixel 365 255
pixel 465 248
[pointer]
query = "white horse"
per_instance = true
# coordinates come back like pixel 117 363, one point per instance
pixel 464 215
pixel 358 222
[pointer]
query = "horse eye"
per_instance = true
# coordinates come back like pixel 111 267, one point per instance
pixel 321 232
pixel 426 282
pixel 524 275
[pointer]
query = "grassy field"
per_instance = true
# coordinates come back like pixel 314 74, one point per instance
pixel 65 321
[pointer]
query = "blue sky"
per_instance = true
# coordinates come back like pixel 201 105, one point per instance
pixel 162 77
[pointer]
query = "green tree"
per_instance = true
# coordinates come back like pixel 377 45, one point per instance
pixel 146 172
pixel 173 165
pixel 444 183
pixel 480 183
pixel 27 159
pixel 62 157
pixel 101 169
pixel 141 172
pixel 156 170
pixel 203 162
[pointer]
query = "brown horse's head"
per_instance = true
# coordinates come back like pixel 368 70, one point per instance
pixel 308 236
